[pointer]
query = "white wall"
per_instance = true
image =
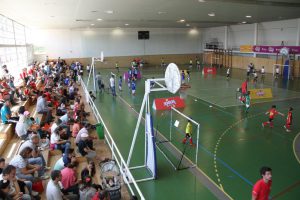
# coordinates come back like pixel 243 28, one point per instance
pixel 117 42
pixel 269 33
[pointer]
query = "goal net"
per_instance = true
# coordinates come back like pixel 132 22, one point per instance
pixel 176 139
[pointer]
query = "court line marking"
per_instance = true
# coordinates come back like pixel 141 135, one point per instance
pixel 217 107
pixel 220 187
pixel 294 147
pixel 273 100
pixel 286 190
pixel 221 161
pixel 219 141
pixel 229 128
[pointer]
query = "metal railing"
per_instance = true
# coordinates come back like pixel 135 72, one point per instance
pixel 116 155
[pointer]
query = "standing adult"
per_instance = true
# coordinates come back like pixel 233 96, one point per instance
pixel 112 85
pixel 99 81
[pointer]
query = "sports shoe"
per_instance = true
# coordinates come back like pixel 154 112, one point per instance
pixel 34 193
pixel 45 177
pixel 47 168
pixel 288 130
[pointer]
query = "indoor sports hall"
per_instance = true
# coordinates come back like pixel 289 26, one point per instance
pixel 196 99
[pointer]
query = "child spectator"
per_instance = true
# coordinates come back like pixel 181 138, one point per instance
pixel 88 189
pixel 75 128
pixel 89 170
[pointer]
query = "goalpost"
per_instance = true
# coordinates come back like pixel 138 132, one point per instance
pixel 92 69
pixel 178 122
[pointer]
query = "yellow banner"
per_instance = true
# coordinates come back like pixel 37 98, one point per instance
pixel 265 93
pixel 246 48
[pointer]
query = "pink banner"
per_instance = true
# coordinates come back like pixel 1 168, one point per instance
pixel 276 49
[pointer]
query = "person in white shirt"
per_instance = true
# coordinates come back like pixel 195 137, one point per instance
pixel 112 85
pixel 55 125
pixel 37 158
pixel 262 72
pixel 84 129
pixel 53 189
pixel 277 72
pixel 99 81
pixel 56 142
pixel 24 169
pixel 21 128
pixel 228 73
pixel 54 186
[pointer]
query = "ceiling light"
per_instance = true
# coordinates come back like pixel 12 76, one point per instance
pixel 211 14
pixel 201 1
pixel 248 16
pixel 52 16
pixel 99 19
pixel 187 24
pixel 161 12
pixel 181 20
pixel 92 24
pixel 244 22
pixel 94 11
pixel 109 11
pixel 126 24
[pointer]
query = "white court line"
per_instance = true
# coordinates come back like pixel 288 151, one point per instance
pixel 197 167
pixel 273 100
pixel 216 105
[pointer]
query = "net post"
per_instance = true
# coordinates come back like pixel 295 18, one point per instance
pixel 197 146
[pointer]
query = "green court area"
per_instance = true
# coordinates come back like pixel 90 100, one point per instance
pixel 233 145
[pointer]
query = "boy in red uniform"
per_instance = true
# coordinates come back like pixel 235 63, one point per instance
pixel 289 120
pixel 262 187
pixel 272 112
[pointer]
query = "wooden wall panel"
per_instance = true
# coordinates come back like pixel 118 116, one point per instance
pixel 240 62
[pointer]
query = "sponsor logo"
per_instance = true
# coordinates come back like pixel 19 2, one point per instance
pixel 169 103
pixel 260 93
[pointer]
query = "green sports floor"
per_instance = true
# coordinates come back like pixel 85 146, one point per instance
pixel 233 145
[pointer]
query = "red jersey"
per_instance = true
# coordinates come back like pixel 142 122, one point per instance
pixel 23 75
pixel 262 190
pixel 26 91
pixel 289 118
pixel 244 87
pixel 48 96
pixel 33 85
pixel 272 113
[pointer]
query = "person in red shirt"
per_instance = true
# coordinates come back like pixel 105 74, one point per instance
pixel 272 113
pixel 244 88
pixel 289 120
pixel 262 188
pixel 69 179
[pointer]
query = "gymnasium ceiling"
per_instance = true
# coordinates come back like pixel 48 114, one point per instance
pixel 73 14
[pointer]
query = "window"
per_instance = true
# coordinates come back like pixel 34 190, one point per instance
pixel 16 50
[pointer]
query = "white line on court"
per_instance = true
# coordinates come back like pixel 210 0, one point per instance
pixel 219 186
pixel 273 100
